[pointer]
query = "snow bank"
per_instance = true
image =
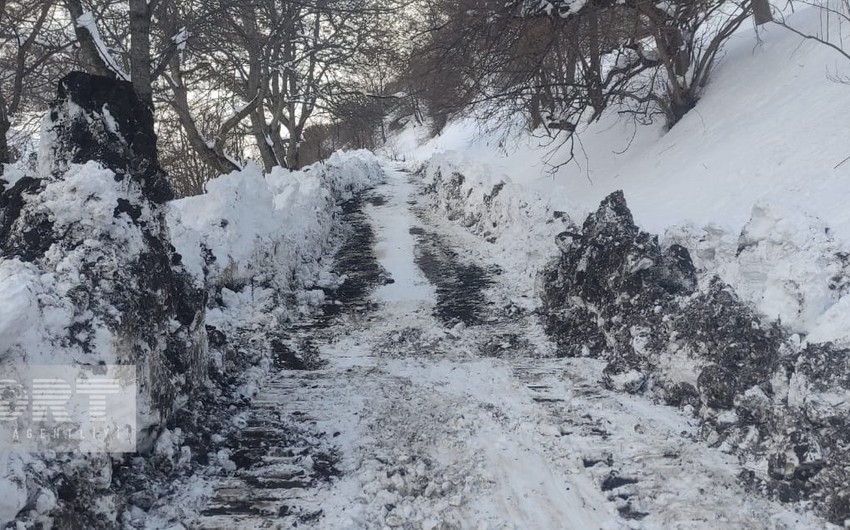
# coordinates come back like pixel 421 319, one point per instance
pixel 519 223
pixel 88 278
pixel 777 402
pixel 252 237
pixel 786 264
pixel 98 268
pixel 760 165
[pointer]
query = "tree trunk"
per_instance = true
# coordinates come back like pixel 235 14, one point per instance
pixel 4 118
pixel 261 136
pixel 140 50
pixel 90 58
pixel 761 12
pixel 292 151
pixel 4 130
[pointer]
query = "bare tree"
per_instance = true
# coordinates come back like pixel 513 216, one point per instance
pixel 275 65
pixel 564 61
pixel 30 40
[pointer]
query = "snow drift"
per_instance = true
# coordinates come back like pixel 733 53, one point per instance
pixel 255 240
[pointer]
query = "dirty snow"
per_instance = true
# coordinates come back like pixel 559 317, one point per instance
pixel 467 426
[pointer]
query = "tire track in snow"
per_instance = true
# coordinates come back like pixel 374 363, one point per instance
pixel 423 454
pixel 471 426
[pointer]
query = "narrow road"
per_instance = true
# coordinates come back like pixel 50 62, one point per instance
pixel 439 407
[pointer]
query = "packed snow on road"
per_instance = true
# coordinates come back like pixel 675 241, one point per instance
pixel 399 307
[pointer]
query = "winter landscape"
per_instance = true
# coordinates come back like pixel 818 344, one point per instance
pixel 370 264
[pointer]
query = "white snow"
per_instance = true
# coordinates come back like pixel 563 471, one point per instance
pixel 266 225
pixel 763 153
pixel 395 246
pixel 38 299
pixel 11 174
pixel 12 485
pixel 87 21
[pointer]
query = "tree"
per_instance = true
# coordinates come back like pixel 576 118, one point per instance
pixel 30 40
pixel 762 12
pixel 276 64
pixel 560 62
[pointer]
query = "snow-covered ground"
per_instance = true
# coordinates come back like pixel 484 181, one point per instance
pixel 435 424
pixel 437 400
pixel 764 153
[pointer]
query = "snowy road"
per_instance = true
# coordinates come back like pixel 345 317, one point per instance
pixel 432 414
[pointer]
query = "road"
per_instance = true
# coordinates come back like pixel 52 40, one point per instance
pixel 439 405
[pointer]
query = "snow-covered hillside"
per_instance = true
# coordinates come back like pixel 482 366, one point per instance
pixel 766 148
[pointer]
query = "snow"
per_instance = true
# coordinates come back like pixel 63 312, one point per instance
pixel 87 21
pixel 396 247
pixel 181 39
pixel 519 223
pixel 760 154
pixel 11 174
pixel 13 486
pixel 38 300
pixel 85 200
pixel 266 228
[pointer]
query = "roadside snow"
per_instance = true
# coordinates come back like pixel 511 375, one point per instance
pixel 256 237
pixel 760 164
pixel 255 243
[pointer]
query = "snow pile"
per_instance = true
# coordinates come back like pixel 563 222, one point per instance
pixel 778 403
pixel 252 239
pixel 37 291
pixel 519 223
pixel 785 263
pixel 88 276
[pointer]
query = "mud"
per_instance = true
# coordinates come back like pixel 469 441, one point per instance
pixel 460 286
